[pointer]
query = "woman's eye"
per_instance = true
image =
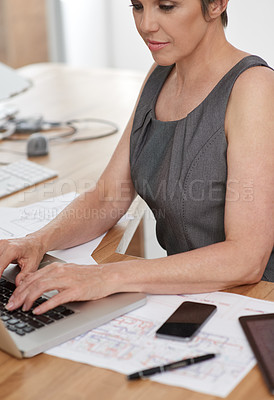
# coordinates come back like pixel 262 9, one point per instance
pixel 136 6
pixel 163 7
pixel 166 7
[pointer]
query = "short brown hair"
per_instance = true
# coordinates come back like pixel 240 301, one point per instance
pixel 205 4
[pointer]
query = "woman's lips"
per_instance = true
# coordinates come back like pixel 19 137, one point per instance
pixel 154 46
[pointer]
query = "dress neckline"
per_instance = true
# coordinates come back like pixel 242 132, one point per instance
pixel 170 68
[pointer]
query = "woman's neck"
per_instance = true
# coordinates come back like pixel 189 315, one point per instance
pixel 212 58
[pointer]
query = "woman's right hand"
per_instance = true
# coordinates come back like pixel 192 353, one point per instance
pixel 27 252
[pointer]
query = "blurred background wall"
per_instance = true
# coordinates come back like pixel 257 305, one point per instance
pixel 23 32
pixel 101 33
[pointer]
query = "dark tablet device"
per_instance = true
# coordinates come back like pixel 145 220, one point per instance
pixel 259 330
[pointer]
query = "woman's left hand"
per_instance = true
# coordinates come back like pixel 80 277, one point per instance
pixel 73 283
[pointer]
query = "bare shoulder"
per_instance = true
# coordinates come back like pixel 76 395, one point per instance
pixel 254 84
pixel 251 101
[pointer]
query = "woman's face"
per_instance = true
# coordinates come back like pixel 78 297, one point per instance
pixel 172 30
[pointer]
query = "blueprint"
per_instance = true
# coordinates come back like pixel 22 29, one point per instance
pixel 128 343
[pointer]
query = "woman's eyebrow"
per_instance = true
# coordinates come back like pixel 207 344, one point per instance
pixel 169 1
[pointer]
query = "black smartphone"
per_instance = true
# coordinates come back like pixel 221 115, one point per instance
pixel 186 321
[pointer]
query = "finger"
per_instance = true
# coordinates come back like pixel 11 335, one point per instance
pixel 18 251
pixel 15 301
pixel 20 277
pixel 32 285
pixel 60 298
pixel 17 298
pixel 7 257
pixel 31 269
pixel 30 289
pixel 25 271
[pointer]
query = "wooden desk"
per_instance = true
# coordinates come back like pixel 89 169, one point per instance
pixel 61 93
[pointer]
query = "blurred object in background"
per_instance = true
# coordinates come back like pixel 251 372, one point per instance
pixel 23 32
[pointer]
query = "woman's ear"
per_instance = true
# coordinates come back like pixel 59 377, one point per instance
pixel 216 8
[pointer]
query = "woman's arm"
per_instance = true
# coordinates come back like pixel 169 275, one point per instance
pixel 87 217
pixel 97 209
pixel 249 228
pixel 249 207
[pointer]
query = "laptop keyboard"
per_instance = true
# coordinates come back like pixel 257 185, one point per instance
pixel 22 322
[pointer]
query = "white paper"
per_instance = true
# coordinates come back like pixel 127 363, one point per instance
pixel 18 222
pixel 79 254
pixel 6 232
pixel 128 343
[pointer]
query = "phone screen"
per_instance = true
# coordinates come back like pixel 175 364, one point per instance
pixel 186 321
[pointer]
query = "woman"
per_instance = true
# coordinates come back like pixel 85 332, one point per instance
pixel 199 148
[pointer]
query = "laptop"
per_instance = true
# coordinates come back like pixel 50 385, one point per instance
pixel 23 335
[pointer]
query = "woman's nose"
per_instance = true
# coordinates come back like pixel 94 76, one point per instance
pixel 149 22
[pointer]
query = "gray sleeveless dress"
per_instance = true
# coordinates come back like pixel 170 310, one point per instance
pixel 180 167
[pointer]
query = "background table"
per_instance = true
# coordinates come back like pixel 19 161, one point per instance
pixel 61 93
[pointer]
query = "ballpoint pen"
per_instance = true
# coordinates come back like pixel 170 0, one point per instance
pixel 169 367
